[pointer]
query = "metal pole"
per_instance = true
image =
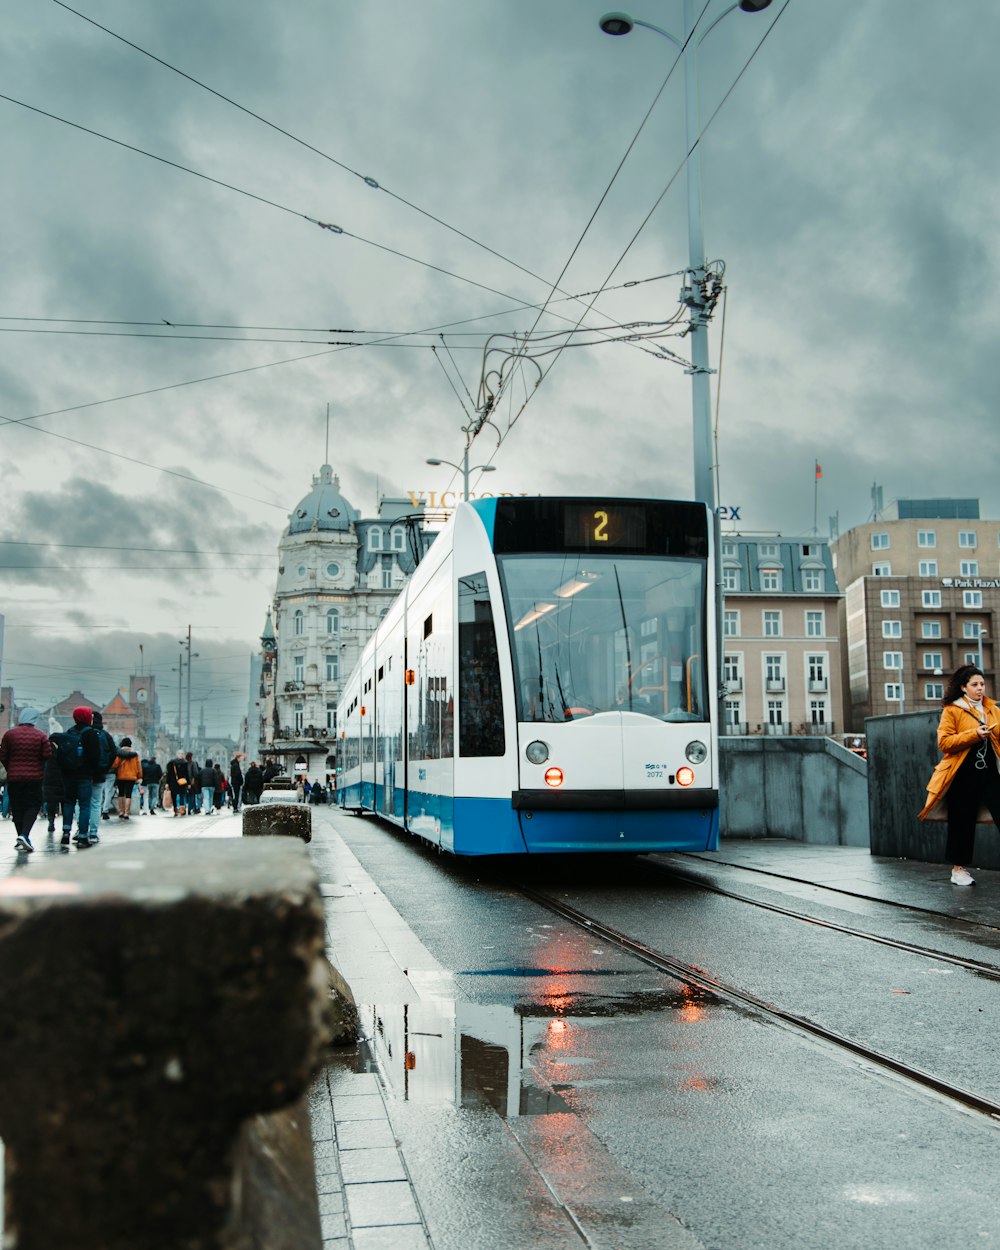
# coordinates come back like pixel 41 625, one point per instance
pixel 180 698
pixel 981 634
pixel 701 398
pixel 465 473
pixel 189 686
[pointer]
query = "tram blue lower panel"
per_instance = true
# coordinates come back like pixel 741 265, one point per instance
pixel 686 830
pixel 486 827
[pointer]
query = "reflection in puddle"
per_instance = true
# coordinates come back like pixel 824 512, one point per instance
pixel 500 1057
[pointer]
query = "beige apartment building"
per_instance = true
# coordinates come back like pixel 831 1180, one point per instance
pixel 921 597
pixel 781 646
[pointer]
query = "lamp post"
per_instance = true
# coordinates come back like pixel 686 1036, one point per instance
pixel 694 293
pixel 982 634
pixel 463 468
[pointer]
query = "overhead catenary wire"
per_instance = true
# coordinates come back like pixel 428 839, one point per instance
pixel 662 194
pixel 369 181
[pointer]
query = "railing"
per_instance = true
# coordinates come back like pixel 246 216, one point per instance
pixel 775 685
pixel 782 728
pixel 736 729
pixel 818 685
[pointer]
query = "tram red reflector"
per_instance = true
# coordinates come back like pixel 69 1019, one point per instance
pixel 364 710
pixel 685 776
pixel 411 677
pixel 410 1061
pixel 553 776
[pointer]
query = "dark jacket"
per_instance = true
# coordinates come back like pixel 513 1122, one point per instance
pixel 52 779
pixel 151 773
pixel 206 777
pixel 235 774
pixel 91 765
pixel 24 750
pixel 254 780
pixel 103 738
pixel 177 773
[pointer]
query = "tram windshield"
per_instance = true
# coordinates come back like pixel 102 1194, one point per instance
pixel 604 634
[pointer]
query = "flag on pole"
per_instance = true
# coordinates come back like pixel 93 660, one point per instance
pixel 819 471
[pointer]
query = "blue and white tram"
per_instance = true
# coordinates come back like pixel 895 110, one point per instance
pixel 545 683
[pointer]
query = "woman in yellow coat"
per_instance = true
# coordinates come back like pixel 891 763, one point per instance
pixel 969 772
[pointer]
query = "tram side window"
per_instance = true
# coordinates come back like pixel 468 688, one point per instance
pixel 480 729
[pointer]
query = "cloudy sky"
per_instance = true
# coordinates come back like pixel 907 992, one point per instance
pixel 169 345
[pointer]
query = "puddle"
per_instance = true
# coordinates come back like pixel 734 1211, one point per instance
pixel 497 1057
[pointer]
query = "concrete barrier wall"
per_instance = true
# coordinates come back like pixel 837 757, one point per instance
pixel 902 753
pixel 807 789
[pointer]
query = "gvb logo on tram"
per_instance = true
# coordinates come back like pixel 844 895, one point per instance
pixel 544 683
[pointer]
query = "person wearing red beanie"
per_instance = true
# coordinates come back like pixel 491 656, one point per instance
pixel 83 715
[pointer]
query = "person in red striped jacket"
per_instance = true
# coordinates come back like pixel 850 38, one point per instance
pixel 23 752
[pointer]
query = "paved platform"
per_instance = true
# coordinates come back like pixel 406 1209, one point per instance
pixel 368 1199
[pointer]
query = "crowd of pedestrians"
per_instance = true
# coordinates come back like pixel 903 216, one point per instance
pixel 82 776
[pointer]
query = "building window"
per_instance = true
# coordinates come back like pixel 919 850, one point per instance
pixel 882 570
pixel 934 690
pixel 812 579
pixel 730 579
pixel 731 671
pixel 892 629
pixel 300 667
pixel 928 568
pixel 890 598
pixel 376 540
pixel 967 538
pixel 971 657
pixel 930 598
pixel 972 598
pixel 333 570
pixel 333 620
pixel 970 629
pixel 331 718
pixel 333 667
pixel 298 622
pixel 770 579
pixel 969 568
pixel 767 551
pixel 815 625
pixel 733 712
pixel 398 538
pixel 926 538
pixel 932 659
pixel 930 629
pixel 817 667
pixel 774 669
pixel 302 570
pixel 892 659
pixel 729 549
pixel 775 711
pixel 298 713
pixel 772 624
pixel 387 572
pixel 730 624
pixel 880 542
pixel 894 691
pixel 817 711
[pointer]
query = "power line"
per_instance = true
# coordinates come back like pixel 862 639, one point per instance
pixel 365 178
pixel 330 227
pixel 659 198
pixel 186 551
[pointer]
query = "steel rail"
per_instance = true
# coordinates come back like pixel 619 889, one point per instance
pixel 689 974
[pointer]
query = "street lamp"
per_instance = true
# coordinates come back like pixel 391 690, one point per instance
pixel 464 469
pixel 982 634
pixel 694 291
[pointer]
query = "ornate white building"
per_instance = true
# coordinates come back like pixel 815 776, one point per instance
pixel 337 575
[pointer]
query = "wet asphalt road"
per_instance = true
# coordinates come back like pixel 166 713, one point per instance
pixel 658 1102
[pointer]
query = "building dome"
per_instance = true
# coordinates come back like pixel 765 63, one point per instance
pixel 324 508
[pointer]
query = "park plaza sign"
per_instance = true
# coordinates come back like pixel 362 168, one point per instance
pixel 972 583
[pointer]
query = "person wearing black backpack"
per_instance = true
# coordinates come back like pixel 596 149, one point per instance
pixel 78 756
pixel 103 778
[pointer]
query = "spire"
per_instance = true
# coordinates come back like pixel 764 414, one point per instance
pixel 267 638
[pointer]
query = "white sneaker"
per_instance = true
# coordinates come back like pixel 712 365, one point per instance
pixel 959 876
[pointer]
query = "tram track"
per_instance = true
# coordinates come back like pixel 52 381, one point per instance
pixel 916 1078
pixel 977 966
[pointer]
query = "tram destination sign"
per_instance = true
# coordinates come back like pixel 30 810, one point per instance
pixel 597 526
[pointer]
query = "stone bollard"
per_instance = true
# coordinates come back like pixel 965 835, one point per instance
pixel 156 997
pixel 278 819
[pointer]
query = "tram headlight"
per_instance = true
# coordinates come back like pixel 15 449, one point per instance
pixel 537 752
pixel 685 776
pixel 696 752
